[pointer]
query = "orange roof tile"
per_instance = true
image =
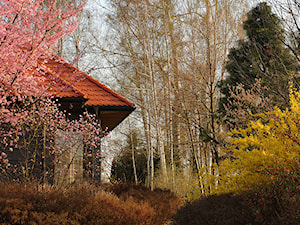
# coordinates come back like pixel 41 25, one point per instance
pixel 57 87
pixel 71 82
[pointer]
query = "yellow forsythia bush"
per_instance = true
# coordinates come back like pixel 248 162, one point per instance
pixel 274 139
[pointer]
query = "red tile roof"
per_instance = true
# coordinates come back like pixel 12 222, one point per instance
pixel 65 80
pixel 57 87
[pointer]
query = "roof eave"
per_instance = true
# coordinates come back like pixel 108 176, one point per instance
pixel 72 99
pixel 113 108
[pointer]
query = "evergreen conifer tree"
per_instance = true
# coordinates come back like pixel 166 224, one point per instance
pixel 261 56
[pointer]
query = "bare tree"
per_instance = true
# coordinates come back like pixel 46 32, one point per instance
pixel 168 56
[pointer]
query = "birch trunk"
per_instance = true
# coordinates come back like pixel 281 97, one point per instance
pixel 153 89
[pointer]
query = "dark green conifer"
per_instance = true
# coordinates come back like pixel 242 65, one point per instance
pixel 262 55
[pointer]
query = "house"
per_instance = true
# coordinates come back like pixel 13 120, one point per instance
pixel 76 92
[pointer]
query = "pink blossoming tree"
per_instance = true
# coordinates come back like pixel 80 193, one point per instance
pixel 30 119
pixel 28 30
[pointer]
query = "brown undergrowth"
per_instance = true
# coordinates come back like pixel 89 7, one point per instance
pixel 225 209
pixel 164 202
pixel 134 204
pixel 262 206
pixel 85 204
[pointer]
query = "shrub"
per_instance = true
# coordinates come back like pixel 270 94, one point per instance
pixel 225 209
pixel 265 162
pixel 272 139
pixel 83 204
pixel 164 202
pixel 106 208
pixel 278 202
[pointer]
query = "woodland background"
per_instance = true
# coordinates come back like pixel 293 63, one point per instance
pixel 195 70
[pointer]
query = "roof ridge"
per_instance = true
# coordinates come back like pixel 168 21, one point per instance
pixel 104 87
